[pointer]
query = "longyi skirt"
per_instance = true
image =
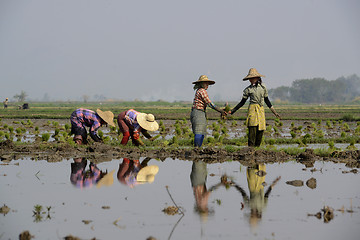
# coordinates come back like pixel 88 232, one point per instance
pixel 198 121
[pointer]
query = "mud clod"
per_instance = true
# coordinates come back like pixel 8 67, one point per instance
pixel 25 235
pixel 311 183
pixel 4 210
pixel 296 183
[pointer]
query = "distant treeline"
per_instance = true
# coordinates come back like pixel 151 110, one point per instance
pixel 319 90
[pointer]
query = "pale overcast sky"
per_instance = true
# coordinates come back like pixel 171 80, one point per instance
pixel 155 49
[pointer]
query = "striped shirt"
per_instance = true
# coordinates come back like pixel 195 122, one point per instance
pixel 85 117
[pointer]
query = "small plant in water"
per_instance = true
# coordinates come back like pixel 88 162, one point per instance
pixel 45 137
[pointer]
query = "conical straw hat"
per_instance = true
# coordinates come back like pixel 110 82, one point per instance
pixel 253 73
pixel 204 78
pixel 147 122
pixel 107 116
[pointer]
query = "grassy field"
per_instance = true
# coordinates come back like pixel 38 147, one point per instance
pixel 179 110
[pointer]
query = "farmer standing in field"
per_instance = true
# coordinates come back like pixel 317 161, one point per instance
pixel 6 103
pixel 255 120
pixel 132 123
pixel 198 113
pixel 82 118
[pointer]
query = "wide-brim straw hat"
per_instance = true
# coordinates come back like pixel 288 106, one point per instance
pixel 204 78
pixel 106 180
pixel 253 73
pixel 147 174
pixel 147 122
pixel 107 116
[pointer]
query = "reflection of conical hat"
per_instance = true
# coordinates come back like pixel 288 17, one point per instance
pixel 107 116
pixel 107 180
pixel 147 174
pixel 253 73
pixel 147 122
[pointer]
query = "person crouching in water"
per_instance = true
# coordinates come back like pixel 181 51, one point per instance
pixel 198 113
pixel 132 123
pixel 82 118
pixel 255 120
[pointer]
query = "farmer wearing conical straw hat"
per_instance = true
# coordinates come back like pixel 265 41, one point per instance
pixel 82 118
pixel 198 112
pixel 258 95
pixel 132 123
pixel 6 103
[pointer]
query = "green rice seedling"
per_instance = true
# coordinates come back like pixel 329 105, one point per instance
pixel 174 141
pixel 100 133
pixel 2 133
pixel 11 129
pixel 346 127
pixel 357 123
pixel 319 122
pixel 45 137
pixel 293 151
pixel 319 133
pixel 357 130
pixel 234 123
pixel 5 126
pixel 210 140
pixel 323 152
pixel 16 122
pixel 36 129
pixel 331 145
pixel 22 122
pixel 292 124
pixel 224 130
pixel 216 135
pixel 67 126
pixel 18 131
pixel 7 136
pixel 29 122
pixel 343 135
pixel 271 141
pixel 230 148
pixel 57 131
pixel 328 124
pixel 221 138
pixel 352 145
pixel 178 131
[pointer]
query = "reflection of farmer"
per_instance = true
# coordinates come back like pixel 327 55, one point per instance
pixel 256 115
pixel 198 112
pixel 82 118
pixel 198 178
pixel 258 199
pixel 132 122
pixel 82 178
pixel 132 172
pixel 6 103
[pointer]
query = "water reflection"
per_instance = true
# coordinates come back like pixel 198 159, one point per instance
pixel 82 178
pixel 198 177
pixel 132 172
pixel 257 201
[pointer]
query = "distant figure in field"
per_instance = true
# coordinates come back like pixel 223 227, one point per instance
pixel 6 103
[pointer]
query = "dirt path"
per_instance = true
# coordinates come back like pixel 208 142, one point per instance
pixel 97 152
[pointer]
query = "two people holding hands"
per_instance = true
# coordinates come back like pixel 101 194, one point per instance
pixel 255 121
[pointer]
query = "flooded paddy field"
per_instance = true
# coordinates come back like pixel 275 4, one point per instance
pixel 301 183
pixel 182 200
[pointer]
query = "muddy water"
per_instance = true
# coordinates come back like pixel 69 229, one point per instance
pixel 212 206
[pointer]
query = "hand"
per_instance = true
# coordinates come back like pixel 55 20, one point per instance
pixel 275 113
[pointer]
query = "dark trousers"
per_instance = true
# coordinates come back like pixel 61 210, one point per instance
pixel 255 136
